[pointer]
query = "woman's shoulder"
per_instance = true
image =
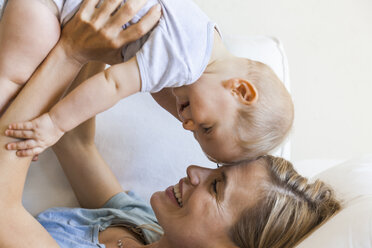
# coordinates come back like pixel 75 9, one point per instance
pixel 128 200
pixel 123 209
pixel 125 205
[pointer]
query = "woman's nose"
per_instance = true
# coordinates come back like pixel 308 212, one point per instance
pixel 189 125
pixel 197 174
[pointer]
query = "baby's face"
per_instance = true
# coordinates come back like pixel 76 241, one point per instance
pixel 208 109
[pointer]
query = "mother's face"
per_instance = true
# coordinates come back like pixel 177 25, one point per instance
pixel 212 200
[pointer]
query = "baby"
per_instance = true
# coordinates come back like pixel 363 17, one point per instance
pixel 236 108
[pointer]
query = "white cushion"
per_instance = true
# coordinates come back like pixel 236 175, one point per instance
pixel 311 167
pixel 146 147
pixel 352 226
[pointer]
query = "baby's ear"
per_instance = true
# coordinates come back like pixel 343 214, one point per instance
pixel 243 90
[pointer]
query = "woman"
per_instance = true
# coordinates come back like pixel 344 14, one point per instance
pixel 264 203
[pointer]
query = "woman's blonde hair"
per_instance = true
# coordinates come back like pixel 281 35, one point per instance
pixel 289 209
pixel 262 126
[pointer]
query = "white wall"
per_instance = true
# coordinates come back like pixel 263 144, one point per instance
pixel 329 48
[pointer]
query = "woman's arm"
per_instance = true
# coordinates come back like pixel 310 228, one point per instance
pixel 36 97
pixel 18 226
pixel 91 179
pixel 45 87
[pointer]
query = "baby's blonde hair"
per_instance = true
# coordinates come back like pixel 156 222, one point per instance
pixel 262 126
pixel 289 209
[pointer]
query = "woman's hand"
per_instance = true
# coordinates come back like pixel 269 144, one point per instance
pixel 97 33
pixel 39 134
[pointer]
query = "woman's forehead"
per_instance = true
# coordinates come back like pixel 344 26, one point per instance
pixel 252 170
pixel 245 181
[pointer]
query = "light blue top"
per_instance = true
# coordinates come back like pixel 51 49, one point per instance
pixel 79 228
pixel 2 4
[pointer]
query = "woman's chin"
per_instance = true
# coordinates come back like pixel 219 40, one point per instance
pixel 156 200
pixel 157 203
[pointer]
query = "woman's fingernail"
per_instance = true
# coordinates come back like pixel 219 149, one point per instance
pixel 158 7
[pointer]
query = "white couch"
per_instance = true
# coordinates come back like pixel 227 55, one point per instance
pixel 148 150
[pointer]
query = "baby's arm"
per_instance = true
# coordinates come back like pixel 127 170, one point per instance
pixel 93 96
pixel 96 95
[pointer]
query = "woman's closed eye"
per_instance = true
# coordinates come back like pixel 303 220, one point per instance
pixel 214 185
pixel 218 185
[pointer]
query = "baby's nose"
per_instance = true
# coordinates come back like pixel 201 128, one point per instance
pixel 189 125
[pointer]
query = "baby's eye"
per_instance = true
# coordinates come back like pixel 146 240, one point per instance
pixel 207 129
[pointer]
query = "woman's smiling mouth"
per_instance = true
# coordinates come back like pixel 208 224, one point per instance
pixel 175 193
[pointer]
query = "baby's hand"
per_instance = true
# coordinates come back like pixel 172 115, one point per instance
pixel 39 134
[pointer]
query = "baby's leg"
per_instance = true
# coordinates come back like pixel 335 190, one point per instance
pixel 29 29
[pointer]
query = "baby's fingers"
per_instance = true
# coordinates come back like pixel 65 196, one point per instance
pixel 29 152
pixel 28 125
pixel 22 145
pixel 21 134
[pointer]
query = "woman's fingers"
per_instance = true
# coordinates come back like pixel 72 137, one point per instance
pixel 28 125
pixel 103 13
pixel 136 31
pixel 126 13
pixel 21 134
pixel 22 145
pixel 87 8
pixel 99 35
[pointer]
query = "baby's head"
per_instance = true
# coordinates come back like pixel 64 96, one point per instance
pixel 238 110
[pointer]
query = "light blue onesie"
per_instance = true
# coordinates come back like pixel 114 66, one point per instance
pixel 175 53
pixel 79 228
